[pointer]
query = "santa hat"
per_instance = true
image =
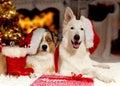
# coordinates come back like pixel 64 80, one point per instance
pixel 89 35
pixel 32 41
pixel 92 40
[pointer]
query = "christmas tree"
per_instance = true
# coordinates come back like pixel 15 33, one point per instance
pixel 10 31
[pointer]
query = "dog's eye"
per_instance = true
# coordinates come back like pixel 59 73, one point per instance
pixel 72 28
pixel 48 40
pixel 81 29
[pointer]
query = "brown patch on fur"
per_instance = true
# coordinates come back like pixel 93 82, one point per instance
pixel 50 42
pixel 2 64
pixel 29 66
pixel 38 51
pixel 49 39
pixel 50 70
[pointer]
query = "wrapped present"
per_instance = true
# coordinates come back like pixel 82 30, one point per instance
pixel 57 80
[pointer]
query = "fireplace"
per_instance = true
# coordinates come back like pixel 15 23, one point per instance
pixel 32 19
pixel 40 10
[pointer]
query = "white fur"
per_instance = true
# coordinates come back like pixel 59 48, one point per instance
pixel 14 51
pixel 41 63
pixel 88 31
pixel 77 60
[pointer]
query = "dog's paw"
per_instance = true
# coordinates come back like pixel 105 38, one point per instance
pixel 33 75
pixel 108 80
pixel 104 66
pixel 104 78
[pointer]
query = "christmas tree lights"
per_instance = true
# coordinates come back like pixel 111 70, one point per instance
pixel 10 30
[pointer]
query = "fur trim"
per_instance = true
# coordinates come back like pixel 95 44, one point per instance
pixel 89 34
pixel 35 40
pixel 14 51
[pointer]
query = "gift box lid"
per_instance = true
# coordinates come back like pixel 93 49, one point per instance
pixel 59 80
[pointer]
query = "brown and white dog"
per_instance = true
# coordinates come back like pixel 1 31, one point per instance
pixel 43 60
pixel 74 55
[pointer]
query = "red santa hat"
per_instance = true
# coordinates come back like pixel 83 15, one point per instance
pixel 32 41
pixel 92 40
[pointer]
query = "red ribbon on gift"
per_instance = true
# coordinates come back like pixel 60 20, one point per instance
pixel 76 77
pixel 73 77
pixel 60 80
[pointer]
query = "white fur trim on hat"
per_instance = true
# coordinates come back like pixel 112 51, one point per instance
pixel 14 51
pixel 89 34
pixel 35 40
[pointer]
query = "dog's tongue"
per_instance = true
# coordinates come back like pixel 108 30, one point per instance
pixel 76 45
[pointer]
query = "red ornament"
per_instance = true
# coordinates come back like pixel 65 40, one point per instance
pixel 1 35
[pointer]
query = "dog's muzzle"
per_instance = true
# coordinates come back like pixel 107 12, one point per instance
pixel 76 42
pixel 44 47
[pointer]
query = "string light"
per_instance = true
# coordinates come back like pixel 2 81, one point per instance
pixel 9 27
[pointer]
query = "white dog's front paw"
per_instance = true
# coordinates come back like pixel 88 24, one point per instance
pixel 108 80
pixel 33 75
pixel 104 66
pixel 104 78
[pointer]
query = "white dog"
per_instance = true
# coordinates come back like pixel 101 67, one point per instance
pixel 74 55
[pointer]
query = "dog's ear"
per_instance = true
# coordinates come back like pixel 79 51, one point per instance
pixel 89 34
pixel 54 37
pixel 68 15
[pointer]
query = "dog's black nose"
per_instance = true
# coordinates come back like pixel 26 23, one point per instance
pixel 44 47
pixel 76 37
